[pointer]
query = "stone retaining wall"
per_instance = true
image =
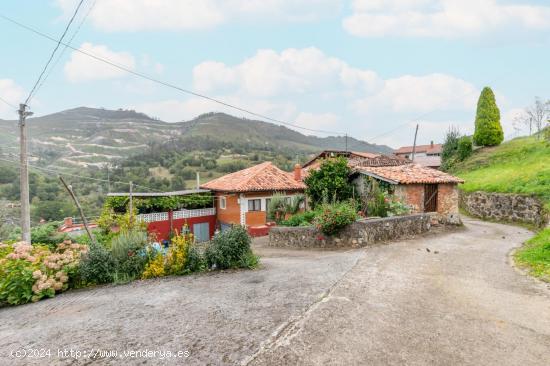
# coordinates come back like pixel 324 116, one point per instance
pixel 504 206
pixel 359 234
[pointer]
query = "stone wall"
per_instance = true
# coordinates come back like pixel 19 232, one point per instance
pixel 359 234
pixel 505 207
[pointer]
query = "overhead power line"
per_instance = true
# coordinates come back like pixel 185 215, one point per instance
pixel 59 42
pixel 8 103
pixel 82 21
pixel 165 83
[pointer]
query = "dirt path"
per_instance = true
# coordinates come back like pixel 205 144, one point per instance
pixel 461 303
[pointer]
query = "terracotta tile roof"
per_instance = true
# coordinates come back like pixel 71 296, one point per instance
pixel 428 149
pixel 261 177
pixel 410 174
pixel 355 159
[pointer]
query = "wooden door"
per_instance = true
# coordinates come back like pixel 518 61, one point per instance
pixel 430 197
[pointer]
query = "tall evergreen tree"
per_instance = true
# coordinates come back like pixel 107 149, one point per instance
pixel 488 130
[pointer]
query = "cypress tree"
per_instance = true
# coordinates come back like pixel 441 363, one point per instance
pixel 488 130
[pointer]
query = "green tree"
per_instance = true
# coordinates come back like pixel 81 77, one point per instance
pixel 488 131
pixel 330 182
pixel 450 148
pixel 465 148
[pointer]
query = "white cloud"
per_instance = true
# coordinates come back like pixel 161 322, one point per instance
pixel 174 110
pixel 84 68
pixel 292 71
pixel 421 94
pixel 11 93
pixel 136 15
pixel 320 121
pixel 443 18
pixel 313 90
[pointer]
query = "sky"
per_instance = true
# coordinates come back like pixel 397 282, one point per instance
pixel 370 68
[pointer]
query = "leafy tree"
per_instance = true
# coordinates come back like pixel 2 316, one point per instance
pixel 450 148
pixel 52 210
pixel 465 148
pixel 488 131
pixel 329 182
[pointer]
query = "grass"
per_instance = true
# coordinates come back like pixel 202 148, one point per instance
pixel 518 166
pixel 535 255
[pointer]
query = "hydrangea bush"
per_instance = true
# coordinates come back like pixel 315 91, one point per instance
pixel 30 273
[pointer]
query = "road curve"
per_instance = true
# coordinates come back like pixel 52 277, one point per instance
pixel 451 299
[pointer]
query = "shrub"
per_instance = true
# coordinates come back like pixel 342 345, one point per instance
pixel 29 273
pixel 174 263
pixel 230 249
pixel 332 218
pixel 276 208
pixel 177 254
pixel 300 219
pixel 464 149
pixel 155 268
pixel 97 266
pixel 195 260
pixel 129 254
pixel 43 234
pixel 330 182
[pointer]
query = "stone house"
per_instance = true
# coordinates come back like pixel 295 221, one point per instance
pixel 242 197
pixel 423 189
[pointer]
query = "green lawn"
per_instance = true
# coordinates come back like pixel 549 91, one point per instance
pixel 518 166
pixel 535 255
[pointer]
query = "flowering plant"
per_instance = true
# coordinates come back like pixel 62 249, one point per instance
pixel 29 273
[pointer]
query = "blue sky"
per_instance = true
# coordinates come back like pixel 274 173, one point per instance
pixel 363 67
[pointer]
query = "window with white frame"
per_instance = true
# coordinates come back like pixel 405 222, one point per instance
pixel 223 203
pixel 255 205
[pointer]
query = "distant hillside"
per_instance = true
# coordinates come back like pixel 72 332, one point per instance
pixel 518 166
pixel 225 127
pixel 90 136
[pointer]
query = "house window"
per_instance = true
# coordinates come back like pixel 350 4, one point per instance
pixel 223 203
pixel 255 205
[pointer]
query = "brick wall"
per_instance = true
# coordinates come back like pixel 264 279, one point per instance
pixel 447 203
pixel 232 212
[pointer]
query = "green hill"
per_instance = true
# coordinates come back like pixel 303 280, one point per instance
pixel 519 166
pixel 84 137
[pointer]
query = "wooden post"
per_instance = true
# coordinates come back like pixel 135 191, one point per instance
pixel 131 205
pixel 414 145
pixel 24 175
pixel 84 221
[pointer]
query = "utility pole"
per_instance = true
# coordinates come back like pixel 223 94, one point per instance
pixel 24 175
pixel 108 179
pixel 346 142
pixel 414 145
pixel 131 204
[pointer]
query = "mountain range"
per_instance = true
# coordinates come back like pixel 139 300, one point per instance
pixel 91 136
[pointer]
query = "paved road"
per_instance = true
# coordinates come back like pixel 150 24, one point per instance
pixel 461 303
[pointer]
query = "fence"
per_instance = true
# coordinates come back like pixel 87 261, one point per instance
pixel 181 214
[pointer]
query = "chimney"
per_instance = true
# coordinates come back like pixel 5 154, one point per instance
pixel 68 221
pixel 432 144
pixel 298 172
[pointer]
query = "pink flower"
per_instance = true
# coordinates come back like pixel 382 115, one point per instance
pixel 37 274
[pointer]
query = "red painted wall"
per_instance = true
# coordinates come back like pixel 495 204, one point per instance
pixel 162 228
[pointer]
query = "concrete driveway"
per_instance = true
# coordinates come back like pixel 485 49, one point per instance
pixel 458 303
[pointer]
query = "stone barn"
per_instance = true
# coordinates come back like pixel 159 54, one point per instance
pixel 424 189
